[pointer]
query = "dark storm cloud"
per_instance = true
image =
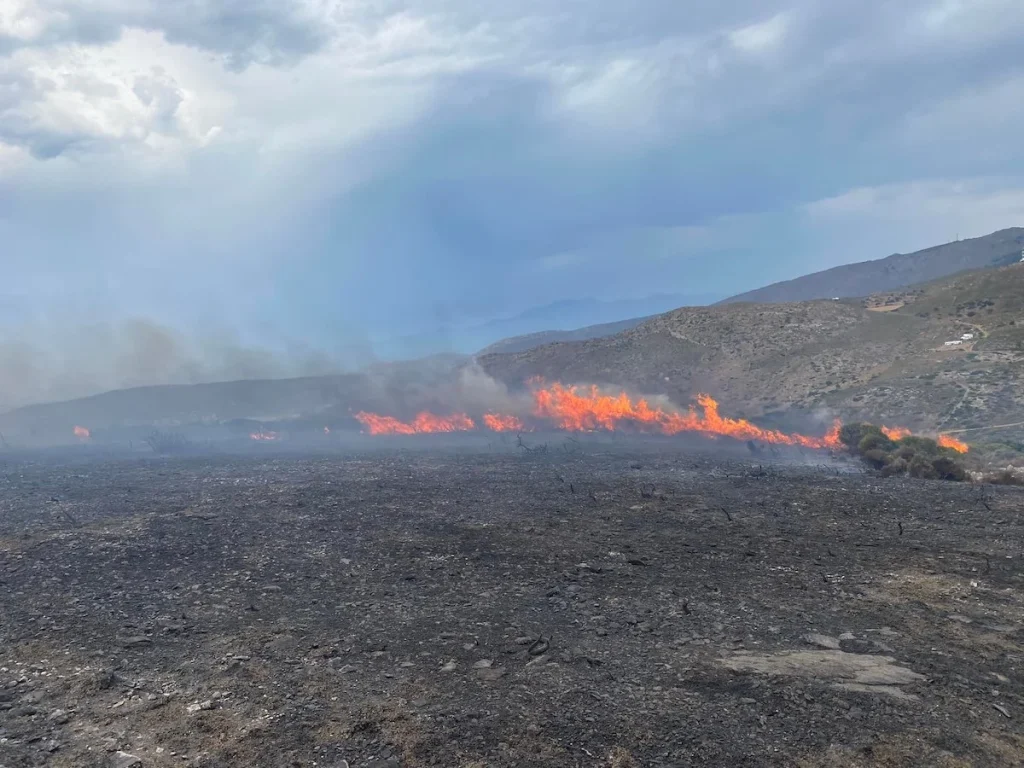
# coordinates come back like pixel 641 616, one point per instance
pixel 390 166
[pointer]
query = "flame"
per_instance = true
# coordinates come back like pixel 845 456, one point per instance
pixel 425 422
pixel 948 441
pixel 569 408
pixel 497 422
pixel 572 409
pixel 896 433
pixel 327 430
pixel 82 433
pixel 263 436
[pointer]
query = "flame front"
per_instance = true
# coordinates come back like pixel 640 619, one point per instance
pixel 896 433
pixel 948 441
pixel 588 410
pixel 569 408
pixel 497 422
pixel 424 423
pixel 82 433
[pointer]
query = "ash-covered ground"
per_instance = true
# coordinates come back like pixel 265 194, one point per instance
pixel 635 604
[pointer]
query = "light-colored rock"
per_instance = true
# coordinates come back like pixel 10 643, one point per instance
pixel 864 673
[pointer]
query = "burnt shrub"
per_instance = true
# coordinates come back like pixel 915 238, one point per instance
pixel 168 442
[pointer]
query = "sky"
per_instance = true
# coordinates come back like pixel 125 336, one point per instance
pixel 209 188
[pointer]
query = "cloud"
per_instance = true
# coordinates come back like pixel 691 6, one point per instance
pixel 336 173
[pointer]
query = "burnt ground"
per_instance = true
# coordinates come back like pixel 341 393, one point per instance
pixel 415 608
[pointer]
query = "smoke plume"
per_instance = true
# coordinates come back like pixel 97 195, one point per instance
pixel 45 365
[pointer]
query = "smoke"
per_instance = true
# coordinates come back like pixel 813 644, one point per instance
pixel 44 365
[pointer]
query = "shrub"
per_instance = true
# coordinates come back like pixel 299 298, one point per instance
pixel 923 446
pixel 874 441
pixel 1004 477
pixel 947 469
pixel 896 466
pixel 876 457
pixel 922 468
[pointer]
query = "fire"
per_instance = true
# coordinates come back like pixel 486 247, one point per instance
pixel 424 423
pixel 327 430
pixel 896 433
pixel 497 422
pixel 82 433
pixel 569 408
pixel 948 441
pixel 588 410
pixel 263 436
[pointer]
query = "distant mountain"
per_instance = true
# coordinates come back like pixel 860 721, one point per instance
pixel 897 271
pixel 568 315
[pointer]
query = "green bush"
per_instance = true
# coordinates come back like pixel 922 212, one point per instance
pixel 876 457
pixel 922 468
pixel 896 466
pixel 947 469
pixel 874 441
pixel 920 457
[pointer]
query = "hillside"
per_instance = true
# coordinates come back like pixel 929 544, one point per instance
pixel 897 271
pixel 878 358
pixel 384 386
pixel 532 340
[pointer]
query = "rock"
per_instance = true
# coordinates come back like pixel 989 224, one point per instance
pixel 59 717
pixel 137 641
pixel 822 641
pixel 200 706
pixel 348 669
pixel 846 671
pixel 490 674
pixel 125 760
pixel 449 667
pixel 483 664
pixel 847 636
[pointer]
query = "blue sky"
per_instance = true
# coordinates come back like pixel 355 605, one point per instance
pixel 309 175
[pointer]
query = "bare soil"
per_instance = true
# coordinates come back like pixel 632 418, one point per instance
pixel 581 607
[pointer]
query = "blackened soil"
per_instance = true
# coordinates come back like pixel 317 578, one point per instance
pixel 421 609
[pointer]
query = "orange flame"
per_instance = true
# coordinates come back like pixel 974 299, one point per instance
pixel 896 433
pixel 263 436
pixel 497 422
pixel 948 441
pixel 82 433
pixel 424 423
pixel 570 409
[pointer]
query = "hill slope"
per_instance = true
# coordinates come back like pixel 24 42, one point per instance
pixel 878 358
pixel 897 271
pixel 533 340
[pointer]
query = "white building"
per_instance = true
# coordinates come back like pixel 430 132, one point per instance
pixel 967 337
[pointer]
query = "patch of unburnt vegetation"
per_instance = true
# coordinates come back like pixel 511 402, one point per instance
pixel 920 457
pixel 1004 477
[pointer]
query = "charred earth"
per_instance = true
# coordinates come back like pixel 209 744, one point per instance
pixel 602 604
